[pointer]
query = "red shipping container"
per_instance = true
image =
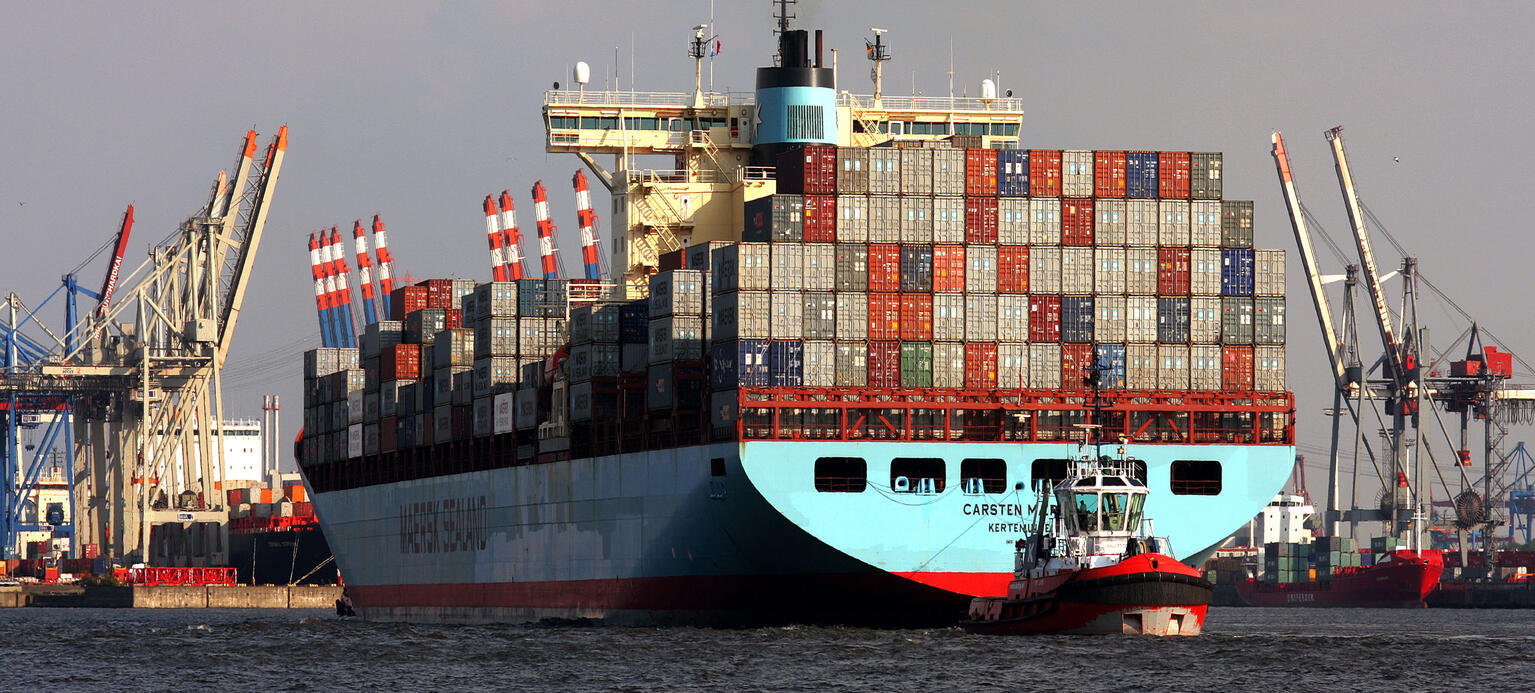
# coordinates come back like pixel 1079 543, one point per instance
pixel 981 365
pixel 439 293
pixel 1077 221
pixel 808 170
pixel 884 364
pixel 674 260
pixel 948 268
pixel 884 316
pixel 1013 269
pixel 408 299
pixel 916 317
pixel 400 362
pixel 1075 360
pixel 981 172
pixel 884 267
pixel 1044 318
pixel 1237 368
pixel 1173 175
pixel 453 319
pixel 820 219
pixel 1173 271
pixel 388 434
pixel 1109 173
pixel 428 435
pixel 980 220
pixel 1044 173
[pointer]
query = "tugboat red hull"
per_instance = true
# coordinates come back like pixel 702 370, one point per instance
pixel 1149 594
pixel 1403 583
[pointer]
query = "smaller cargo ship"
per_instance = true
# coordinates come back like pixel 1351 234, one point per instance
pixel 1092 566
pixel 1329 573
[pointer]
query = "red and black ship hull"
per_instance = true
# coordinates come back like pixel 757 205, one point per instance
pixel 1149 594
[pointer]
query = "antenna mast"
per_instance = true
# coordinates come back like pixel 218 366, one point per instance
pixel 878 55
pixel 783 16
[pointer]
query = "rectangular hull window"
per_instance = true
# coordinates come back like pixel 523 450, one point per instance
pixel 841 475
pixel 1196 477
pixel 977 476
pixel 917 475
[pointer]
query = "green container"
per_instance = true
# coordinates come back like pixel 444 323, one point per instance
pixel 916 364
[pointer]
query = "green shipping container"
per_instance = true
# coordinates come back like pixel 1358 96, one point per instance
pixel 916 364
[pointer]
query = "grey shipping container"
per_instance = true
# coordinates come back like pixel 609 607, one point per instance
pixel 852 364
pixel 676 338
pixel 1044 366
pixel 525 414
pixel 743 267
pixel 1109 278
pixel 820 315
pixel 1268 321
pixel 774 219
pixel 700 257
pixel 949 171
pixel 884 219
pixel 884 171
pixel 1111 323
pixel 1045 269
pixel 1044 221
pixel 1173 320
pixel 453 347
pixel 1012 365
pixel 1205 223
pixel 1236 320
pixel 1205 320
pixel 1141 319
pixel 1173 367
pixel 1077 173
pixel 916 218
pixel 788 317
pixel 948 219
pixel 742 315
pixel 1205 175
pixel 981 269
pixel 852 218
pixel 1141 270
pixel 948 364
pixel 1204 367
pixel 852 267
pixel 484 417
pixel 676 291
pixel 1205 271
pixel 1013 221
pixel 538 336
pixel 980 317
pixel 820 369
pixel 788 261
pixel 495 374
pixel 852 315
pixel 496 336
pixel 1141 365
pixel 1269 368
pixel 949 317
pixel 852 170
pixel 1268 272
pixel 595 323
pixel 1142 217
pixel 1173 224
pixel 1012 317
pixel 820 266
pixel 493 299
pixel 1077 270
pixel 1109 229
pixel 916 171
pixel 1237 223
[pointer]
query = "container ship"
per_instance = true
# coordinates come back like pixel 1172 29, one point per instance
pixel 275 539
pixel 1330 573
pixel 844 338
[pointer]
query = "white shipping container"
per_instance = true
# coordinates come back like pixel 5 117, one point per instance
pixel 948 364
pixel 788 266
pixel 1012 365
pixel 981 269
pixel 1013 221
pixel 1205 367
pixel 980 317
pixel 852 315
pixel 505 409
pixel 1173 367
pixel 949 171
pixel 1205 320
pixel 1013 317
pixel 743 267
pixel 1141 221
pixel 949 317
pixel 1109 324
pixel 1268 369
pixel 354 406
pixel 1141 271
pixel 884 219
pixel 1173 227
pixel 1110 276
pixel 1045 269
pixel 1044 221
pixel 948 219
pixel 742 315
pixel 1268 272
pixel 1205 223
pixel 852 364
pixel 1109 229
pixel 1077 173
pixel 916 219
pixel 820 364
pixel 1205 271
pixel 678 291
pixel 354 440
pixel 820 266
pixel 1077 270
pixel 852 218
pixel 1044 366
pixel 788 315
pixel 1141 319
pixel 1141 366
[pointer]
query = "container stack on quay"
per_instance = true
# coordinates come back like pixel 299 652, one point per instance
pixel 1286 563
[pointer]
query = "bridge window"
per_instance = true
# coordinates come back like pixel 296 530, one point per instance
pixel 1049 472
pixel 1196 477
pixel 916 475
pixel 642 123
pixel 564 122
pixel 1005 129
pixel 977 476
pixel 841 474
pixel 921 128
pixel 970 128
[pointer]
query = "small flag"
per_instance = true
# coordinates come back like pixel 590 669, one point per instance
pixel 868 48
pixel 716 48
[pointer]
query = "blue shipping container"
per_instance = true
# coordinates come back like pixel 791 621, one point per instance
pixel 1110 358
pixel 1141 174
pixel 742 363
pixel 1237 272
pixel 1173 320
pixel 786 364
pixel 917 268
pixel 530 297
pixel 1077 319
pixel 634 322
pixel 1013 172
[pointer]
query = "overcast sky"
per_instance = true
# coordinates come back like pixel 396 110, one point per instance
pixel 417 110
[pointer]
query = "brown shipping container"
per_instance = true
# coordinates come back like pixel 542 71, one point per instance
pixel 1075 360
pixel 1173 175
pixel 885 364
pixel 820 219
pixel 439 293
pixel 884 316
pixel 674 260
pixel 916 317
pixel 1173 271
pixel 809 170
pixel 981 172
pixel 388 434
pixel 1109 173
pixel 1044 318
pixel 1013 269
pixel 1077 221
pixel 1237 368
pixel 981 365
pixel 401 362
pixel 884 267
pixel 981 220
pixel 1044 173
pixel 406 300
pixel 948 268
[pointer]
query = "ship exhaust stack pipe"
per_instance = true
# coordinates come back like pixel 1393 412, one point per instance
pixel 818 48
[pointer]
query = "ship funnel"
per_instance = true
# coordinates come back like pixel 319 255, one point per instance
pixel 796 101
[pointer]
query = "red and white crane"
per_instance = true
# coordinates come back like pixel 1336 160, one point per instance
pixel 348 329
pixel 588 222
pixel 364 274
pixel 385 263
pixel 545 231
pixel 321 293
pixel 512 237
pixel 493 235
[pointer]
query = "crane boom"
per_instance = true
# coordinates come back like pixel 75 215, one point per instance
pixel 1308 258
pixel 1367 257
pixel 109 285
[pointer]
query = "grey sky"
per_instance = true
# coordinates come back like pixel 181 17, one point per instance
pixel 417 110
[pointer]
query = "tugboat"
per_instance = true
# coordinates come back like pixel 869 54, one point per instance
pixel 1092 566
